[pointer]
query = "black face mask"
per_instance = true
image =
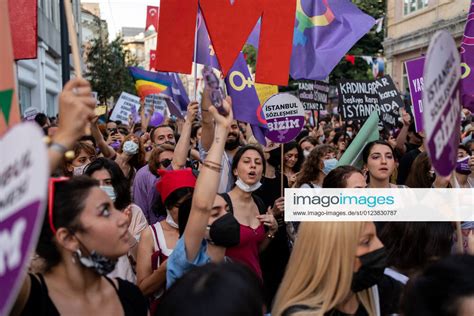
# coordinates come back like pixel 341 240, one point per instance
pixel 371 271
pixel 225 231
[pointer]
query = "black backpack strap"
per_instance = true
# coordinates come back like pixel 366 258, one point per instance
pixel 227 199
pixel 260 205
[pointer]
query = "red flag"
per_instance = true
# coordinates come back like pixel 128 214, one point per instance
pixel 24 28
pixel 9 110
pixel 351 59
pixel 152 17
pixel 152 59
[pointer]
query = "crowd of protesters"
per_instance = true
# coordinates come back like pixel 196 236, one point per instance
pixel 187 218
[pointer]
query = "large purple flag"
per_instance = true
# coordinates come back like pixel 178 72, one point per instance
pixel 467 60
pixel 245 103
pixel 325 30
pixel 205 53
pixel 178 93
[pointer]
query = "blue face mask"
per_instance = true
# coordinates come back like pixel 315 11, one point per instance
pixel 110 191
pixel 329 164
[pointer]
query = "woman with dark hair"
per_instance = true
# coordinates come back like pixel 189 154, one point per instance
pixel 340 142
pixel 311 174
pixel 113 182
pixel 307 144
pixel 379 160
pixel 293 159
pixel 214 289
pixel 344 177
pixel 157 242
pixel 421 173
pixel 411 246
pixel 84 154
pixel 248 166
pixel 130 156
pixel 82 237
pixel 446 288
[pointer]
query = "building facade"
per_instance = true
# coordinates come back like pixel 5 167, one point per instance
pixel 410 26
pixel 40 79
pixel 134 41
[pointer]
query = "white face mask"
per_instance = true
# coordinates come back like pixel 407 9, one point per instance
pixel 79 171
pixel 247 188
pixel 170 221
pixel 110 191
pixel 306 153
pixel 130 147
pixel 349 134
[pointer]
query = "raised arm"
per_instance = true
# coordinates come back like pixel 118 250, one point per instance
pixel 206 185
pixel 402 136
pixel 76 109
pixel 207 122
pixel 184 142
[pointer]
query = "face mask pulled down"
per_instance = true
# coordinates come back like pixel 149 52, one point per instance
pixel 247 188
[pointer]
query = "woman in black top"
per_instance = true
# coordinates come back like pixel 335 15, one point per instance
pixel 82 237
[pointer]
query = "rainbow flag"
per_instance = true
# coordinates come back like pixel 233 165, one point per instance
pixel 147 82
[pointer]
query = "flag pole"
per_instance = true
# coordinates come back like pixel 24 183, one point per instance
pixel 195 58
pixel 73 38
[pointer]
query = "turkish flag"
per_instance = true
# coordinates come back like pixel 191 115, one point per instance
pixel 351 59
pixel 152 17
pixel 24 28
pixel 152 59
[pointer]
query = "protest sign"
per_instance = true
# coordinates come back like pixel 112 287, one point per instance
pixel 313 94
pixel 159 104
pixel 441 102
pixel 414 70
pixel 24 172
pixel 265 91
pixel 123 107
pixel 284 114
pixel 359 98
pixel 30 113
pixel 467 58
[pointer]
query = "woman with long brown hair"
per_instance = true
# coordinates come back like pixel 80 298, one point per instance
pixel 311 174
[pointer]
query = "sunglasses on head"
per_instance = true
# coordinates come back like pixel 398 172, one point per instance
pixel 111 130
pixel 165 163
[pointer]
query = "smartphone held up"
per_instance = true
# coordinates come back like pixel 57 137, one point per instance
pixel 216 93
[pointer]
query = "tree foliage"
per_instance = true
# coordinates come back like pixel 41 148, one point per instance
pixel 107 65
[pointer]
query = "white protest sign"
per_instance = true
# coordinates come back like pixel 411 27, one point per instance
pixel 441 102
pixel 24 172
pixel 30 113
pixel 125 106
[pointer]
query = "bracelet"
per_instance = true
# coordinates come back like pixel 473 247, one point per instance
pixel 216 169
pixel 213 163
pixel 61 149
pixel 202 110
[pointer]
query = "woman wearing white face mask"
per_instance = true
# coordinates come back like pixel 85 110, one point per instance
pixel 84 154
pixel 158 241
pixel 257 225
pixel 131 156
pixel 315 168
pixel 113 182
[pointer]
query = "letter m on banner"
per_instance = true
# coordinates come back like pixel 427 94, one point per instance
pixel 229 24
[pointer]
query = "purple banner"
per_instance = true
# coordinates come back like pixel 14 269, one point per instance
pixel 414 70
pixel 442 102
pixel 467 58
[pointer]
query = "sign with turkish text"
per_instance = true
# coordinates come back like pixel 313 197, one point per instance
pixel 359 98
pixel 414 70
pixel 313 94
pixel 284 114
pixel 126 105
pixel 24 172
pixel 441 102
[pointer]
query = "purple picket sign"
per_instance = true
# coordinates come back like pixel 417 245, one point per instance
pixel 284 114
pixel 25 170
pixel 414 70
pixel 467 57
pixel 442 102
